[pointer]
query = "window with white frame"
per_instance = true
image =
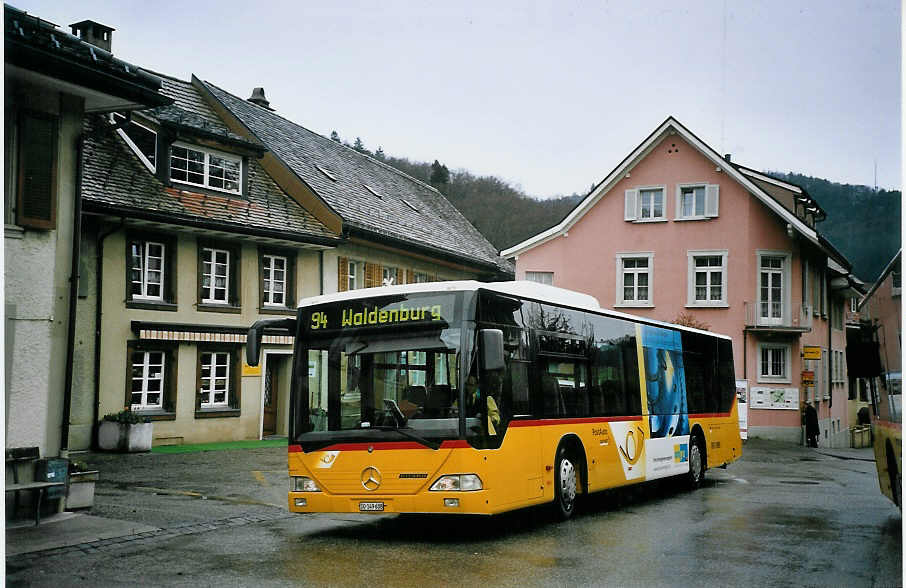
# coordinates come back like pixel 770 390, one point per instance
pixel 837 314
pixel 147 270
pixel 696 201
pixel 774 363
pixel 389 276
pixel 772 288
pixel 354 278
pixel 645 204
pixel 207 168
pixel 839 368
pixel 215 379
pixel 215 275
pixel 140 138
pixel 634 279
pixel 651 204
pixel 273 269
pixel 147 380
pixel 540 277
pixel 707 278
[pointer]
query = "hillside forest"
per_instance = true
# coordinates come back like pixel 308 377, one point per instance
pixel 862 223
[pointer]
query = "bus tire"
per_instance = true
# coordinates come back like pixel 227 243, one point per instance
pixel 696 462
pixel 566 479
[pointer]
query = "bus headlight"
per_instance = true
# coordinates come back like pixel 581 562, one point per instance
pixel 457 483
pixel 303 484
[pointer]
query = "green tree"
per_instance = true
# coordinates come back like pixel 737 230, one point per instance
pixel 334 136
pixel 379 154
pixel 359 146
pixel 440 175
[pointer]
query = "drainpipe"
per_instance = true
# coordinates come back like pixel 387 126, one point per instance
pixel 99 274
pixel 73 297
pixel 321 271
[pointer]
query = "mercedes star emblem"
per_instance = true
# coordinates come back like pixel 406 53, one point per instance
pixel 371 478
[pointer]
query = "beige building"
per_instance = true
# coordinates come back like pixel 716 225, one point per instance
pixel 206 215
pixel 51 80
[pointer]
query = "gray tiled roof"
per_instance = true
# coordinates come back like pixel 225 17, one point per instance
pixel 404 210
pixel 38 44
pixel 189 111
pixel 115 180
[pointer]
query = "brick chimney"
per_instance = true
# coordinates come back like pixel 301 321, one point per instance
pixel 95 33
pixel 258 98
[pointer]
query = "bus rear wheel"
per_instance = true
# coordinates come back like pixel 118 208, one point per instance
pixel 696 463
pixel 566 480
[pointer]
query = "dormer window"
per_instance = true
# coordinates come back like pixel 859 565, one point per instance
pixel 194 165
pixel 140 138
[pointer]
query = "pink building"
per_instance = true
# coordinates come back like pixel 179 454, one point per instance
pixel 678 233
pixel 881 310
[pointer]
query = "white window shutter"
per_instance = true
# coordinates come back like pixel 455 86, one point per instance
pixel 631 209
pixel 712 199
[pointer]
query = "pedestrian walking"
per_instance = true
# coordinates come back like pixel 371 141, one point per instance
pixel 811 425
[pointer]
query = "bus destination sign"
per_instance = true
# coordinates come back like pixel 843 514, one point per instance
pixel 358 314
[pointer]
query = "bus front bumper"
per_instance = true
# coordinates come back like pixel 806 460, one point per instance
pixel 426 502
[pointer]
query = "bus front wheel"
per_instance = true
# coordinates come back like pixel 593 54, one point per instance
pixel 566 480
pixel 696 462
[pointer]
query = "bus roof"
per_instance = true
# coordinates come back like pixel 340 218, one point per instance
pixel 517 288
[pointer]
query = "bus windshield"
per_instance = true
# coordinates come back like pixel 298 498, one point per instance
pixel 381 369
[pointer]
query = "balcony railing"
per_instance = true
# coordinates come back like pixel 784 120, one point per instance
pixel 801 319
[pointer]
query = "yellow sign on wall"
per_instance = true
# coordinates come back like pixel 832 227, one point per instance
pixel 808 377
pixel 811 352
pixel 248 370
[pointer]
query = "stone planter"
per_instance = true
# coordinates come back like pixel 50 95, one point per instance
pixel 125 437
pixel 81 489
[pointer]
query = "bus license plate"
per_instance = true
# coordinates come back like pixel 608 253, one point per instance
pixel 371 506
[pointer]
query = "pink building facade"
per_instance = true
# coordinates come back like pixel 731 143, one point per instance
pixel 882 310
pixel 680 234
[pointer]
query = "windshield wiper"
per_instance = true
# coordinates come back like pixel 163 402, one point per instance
pixel 429 444
pixel 401 420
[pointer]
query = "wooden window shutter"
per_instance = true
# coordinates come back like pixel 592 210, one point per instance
pixel 343 274
pixel 373 274
pixel 631 205
pixel 401 276
pixel 712 199
pixel 410 276
pixel 37 203
pixel 234 399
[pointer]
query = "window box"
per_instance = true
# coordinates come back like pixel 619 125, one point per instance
pixel 125 437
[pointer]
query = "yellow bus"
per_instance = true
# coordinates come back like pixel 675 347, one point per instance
pixel 481 398
pixel 887 435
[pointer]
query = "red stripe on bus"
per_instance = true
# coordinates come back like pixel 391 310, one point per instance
pixel 709 415
pixel 575 421
pixel 889 425
pixel 295 449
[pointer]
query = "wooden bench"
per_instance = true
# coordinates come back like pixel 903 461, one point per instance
pixel 15 458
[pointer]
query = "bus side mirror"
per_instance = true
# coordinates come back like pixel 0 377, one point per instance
pixel 492 353
pixel 256 332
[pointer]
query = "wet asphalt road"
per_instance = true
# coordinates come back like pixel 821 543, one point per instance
pixel 781 516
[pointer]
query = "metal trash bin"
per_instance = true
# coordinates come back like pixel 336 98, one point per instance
pixel 53 469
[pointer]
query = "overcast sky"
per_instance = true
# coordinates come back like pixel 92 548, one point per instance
pixel 549 96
